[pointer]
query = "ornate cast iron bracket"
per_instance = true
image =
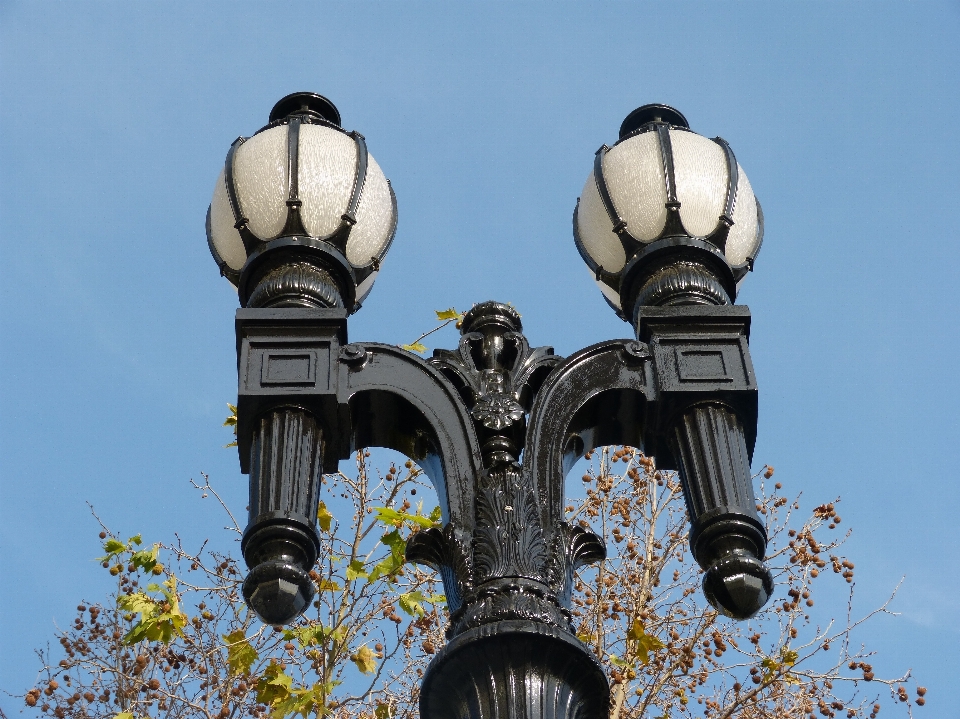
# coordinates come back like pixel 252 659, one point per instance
pixel 497 425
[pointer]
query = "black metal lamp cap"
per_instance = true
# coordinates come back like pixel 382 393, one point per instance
pixel 646 114
pixel 306 103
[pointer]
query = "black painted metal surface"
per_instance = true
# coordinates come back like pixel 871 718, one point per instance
pixel 683 390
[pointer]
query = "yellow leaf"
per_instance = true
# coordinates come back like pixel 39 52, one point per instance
pixel 324 517
pixel 365 660
pixel 789 657
pixel 450 314
pixel 646 643
pixel 415 347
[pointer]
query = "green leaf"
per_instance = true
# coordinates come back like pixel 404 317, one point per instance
pixel 392 517
pixel 388 516
pixel 146 559
pixel 788 658
pixel 240 654
pixel 397 544
pixel 137 602
pixel 112 547
pixel 415 347
pixel 355 570
pixel 412 603
pixel 383 711
pixel 450 314
pixel 274 686
pixel 436 515
pixel 328 585
pixel 386 567
pixel 393 562
pixel 124 715
pixel 160 619
pixel 231 420
pixel 314 634
pixel 365 660
pixel 304 701
pixel 324 518
pixel 618 662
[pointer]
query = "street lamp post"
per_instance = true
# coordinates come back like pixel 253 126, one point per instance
pixel 300 221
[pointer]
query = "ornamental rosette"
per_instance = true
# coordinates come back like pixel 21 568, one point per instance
pixel 497 411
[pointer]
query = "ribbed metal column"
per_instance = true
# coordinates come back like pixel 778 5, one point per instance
pixel 727 538
pixel 286 464
pixel 281 543
pixel 708 444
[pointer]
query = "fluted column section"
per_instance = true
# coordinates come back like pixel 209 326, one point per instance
pixel 727 538
pixel 514 670
pixel 280 543
pixel 286 464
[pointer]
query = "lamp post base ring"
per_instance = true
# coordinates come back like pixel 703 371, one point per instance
pixel 514 670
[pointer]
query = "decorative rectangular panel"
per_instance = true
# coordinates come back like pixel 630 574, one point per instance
pixel 304 367
pixel 699 363
pixel 287 357
pixel 288 368
pixel 702 366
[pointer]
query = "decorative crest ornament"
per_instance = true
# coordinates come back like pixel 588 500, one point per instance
pixel 498 375
pixel 510 577
pixel 513 566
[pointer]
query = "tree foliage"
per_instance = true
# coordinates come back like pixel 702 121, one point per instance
pixel 174 639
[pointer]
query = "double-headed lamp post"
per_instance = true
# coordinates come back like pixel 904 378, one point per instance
pixel 668 225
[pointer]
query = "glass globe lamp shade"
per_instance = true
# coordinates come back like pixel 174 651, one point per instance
pixel 302 181
pixel 662 185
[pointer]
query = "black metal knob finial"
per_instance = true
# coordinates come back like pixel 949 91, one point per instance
pixel 306 103
pixel 655 112
pixel 738 586
pixel 491 313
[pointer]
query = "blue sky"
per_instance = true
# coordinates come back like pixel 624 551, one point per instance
pixel 116 332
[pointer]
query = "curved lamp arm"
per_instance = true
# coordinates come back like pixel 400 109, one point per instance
pixel 397 400
pixel 596 397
